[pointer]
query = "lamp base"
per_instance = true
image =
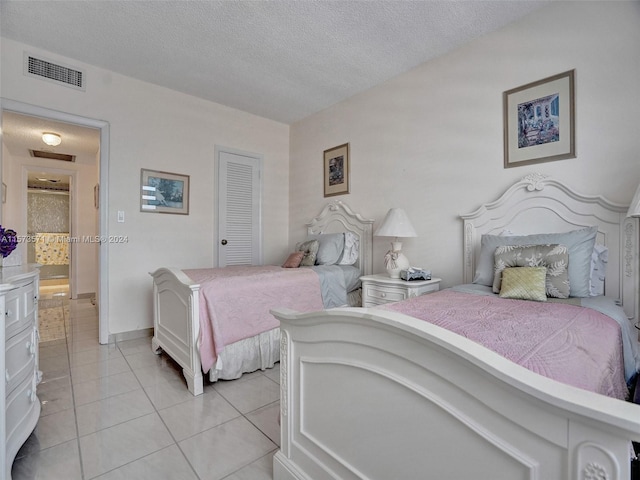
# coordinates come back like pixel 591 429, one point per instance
pixel 395 261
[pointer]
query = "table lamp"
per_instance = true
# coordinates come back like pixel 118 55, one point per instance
pixel 395 224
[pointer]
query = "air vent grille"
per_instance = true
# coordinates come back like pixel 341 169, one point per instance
pixel 52 71
pixel 34 185
pixel 52 155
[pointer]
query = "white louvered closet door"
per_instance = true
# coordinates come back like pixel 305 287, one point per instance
pixel 239 200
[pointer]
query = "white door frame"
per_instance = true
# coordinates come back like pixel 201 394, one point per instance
pixel 260 164
pixel 103 257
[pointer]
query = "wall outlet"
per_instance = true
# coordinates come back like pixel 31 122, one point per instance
pixel 120 216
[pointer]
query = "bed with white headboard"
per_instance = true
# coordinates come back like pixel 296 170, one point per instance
pixel 179 295
pixel 376 394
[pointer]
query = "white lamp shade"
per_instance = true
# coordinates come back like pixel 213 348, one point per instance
pixel 396 224
pixel 634 208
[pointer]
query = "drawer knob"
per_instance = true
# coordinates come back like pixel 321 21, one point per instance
pixel 6 375
pixel 383 294
pixel 31 348
pixel 8 313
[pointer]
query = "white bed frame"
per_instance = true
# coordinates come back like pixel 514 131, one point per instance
pixel 176 299
pixel 369 394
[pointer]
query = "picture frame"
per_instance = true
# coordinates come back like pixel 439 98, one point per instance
pixel 539 121
pixel 164 192
pixel 336 170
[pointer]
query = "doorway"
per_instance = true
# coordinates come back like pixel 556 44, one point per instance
pixel 49 228
pixel 14 209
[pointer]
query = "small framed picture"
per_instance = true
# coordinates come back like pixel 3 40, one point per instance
pixel 336 170
pixel 164 192
pixel 539 121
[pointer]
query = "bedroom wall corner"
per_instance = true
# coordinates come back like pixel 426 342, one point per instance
pixel 431 140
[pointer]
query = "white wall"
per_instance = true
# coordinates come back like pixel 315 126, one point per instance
pixel 156 128
pixel 430 141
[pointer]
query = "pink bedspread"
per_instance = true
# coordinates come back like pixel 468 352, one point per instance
pixel 574 345
pixel 235 302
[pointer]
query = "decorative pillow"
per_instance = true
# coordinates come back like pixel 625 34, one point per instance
pixel 555 258
pixel 330 247
pixel 310 249
pixel 351 250
pixel 524 283
pixel 579 242
pixel 599 258
pixel 597 272
pixel 293 260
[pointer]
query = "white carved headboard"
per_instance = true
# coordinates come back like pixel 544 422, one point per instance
pixel 337 217
pixel 539 204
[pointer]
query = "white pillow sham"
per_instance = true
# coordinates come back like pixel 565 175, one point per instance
pixel 599 258
pixel 351 250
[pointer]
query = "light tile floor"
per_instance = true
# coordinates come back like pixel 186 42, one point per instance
pixel 121 412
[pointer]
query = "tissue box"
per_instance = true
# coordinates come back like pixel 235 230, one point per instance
pixel 415 274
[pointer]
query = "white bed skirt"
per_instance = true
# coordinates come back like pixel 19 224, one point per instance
pixel 255 353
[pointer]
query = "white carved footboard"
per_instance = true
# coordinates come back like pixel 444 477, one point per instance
pixel 386 396
pixel 176 324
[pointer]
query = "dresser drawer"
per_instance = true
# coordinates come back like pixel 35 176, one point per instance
pixel 20 306
pixel 20 357
pixel 374 293
pixel 22 404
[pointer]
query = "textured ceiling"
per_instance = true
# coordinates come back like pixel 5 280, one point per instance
pixel 279 59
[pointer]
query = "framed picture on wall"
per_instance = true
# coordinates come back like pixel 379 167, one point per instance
pixel 164 192
pixel 539 121
pixel 336 170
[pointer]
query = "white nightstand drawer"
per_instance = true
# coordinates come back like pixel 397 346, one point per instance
pixel 385 294
pixel 381 289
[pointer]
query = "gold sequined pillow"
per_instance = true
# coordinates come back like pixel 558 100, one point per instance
pixel 555 258
pixel 310 249
pixel 524 283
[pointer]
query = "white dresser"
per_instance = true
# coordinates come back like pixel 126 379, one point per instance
pixel 21 407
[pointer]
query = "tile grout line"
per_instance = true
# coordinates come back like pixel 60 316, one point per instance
pixel 73 397
pixel 157 412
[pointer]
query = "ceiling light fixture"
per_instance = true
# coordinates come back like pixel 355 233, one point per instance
pixel 51 139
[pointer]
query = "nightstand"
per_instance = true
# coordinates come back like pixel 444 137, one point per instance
pixel 381 289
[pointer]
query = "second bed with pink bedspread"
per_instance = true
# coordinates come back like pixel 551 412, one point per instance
pixel 235 302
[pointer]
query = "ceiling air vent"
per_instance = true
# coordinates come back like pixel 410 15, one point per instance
pixel 52 155
pixel 61 74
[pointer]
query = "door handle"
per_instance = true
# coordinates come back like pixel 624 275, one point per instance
pixel 223 242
